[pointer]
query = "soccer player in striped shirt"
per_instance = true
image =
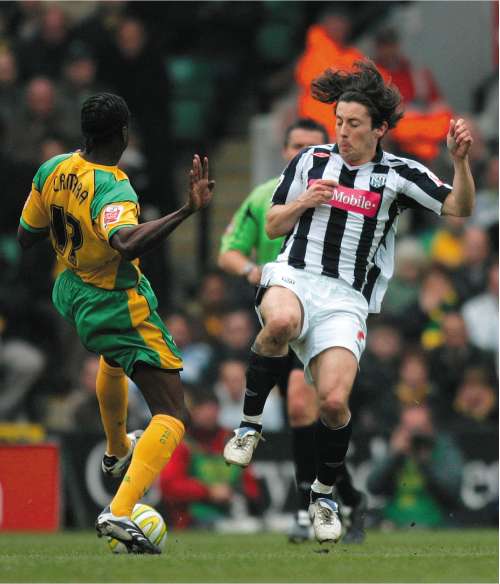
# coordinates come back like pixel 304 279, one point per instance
pixel 245 248
pixel 338 206
pixel 88 208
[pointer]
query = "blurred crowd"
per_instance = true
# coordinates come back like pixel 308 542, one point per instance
pixel 435 345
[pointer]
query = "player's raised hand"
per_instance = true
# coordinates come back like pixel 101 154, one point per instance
pixel 200 186
pixel 459 139
pixel 319 193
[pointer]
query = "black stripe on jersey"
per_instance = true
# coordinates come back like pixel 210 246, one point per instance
pixel 335 228
pixel 297 254
pixel 374 271
pixel 423 181
pixel 373 274
pixel 367 233
pixel 281 192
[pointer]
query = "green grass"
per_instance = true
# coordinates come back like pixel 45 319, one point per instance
pixel 411 556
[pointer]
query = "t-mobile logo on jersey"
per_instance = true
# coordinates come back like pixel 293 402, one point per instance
pixel 355 200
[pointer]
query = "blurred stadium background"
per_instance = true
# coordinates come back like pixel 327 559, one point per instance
pixel 225 79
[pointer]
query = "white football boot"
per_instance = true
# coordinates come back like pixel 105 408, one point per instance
pixel 239 450
pixel 325 520
pixel 116 467
pixel 126 531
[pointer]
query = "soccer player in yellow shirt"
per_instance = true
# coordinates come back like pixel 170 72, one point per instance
pixel 86 205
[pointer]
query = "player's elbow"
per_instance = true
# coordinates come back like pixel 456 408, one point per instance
pixel 125 248
pixel 458 208
pixel 464 210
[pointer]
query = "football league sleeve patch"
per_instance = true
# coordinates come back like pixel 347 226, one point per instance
pixel 115 216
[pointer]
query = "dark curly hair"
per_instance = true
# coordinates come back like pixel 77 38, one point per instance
pixel 364 85
pixel 102 118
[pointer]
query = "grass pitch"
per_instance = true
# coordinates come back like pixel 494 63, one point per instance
pixel 411 556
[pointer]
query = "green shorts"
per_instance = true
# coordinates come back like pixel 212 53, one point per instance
pixel 121 325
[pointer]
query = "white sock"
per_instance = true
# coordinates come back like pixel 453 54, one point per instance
pixel 253 419
pixel 319 487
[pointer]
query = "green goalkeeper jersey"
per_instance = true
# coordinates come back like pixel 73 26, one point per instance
pixel 246 233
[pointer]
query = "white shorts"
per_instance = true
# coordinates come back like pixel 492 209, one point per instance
pixel 334 313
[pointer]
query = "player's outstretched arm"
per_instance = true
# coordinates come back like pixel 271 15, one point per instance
pixel 460 202
pixel 282 218
pixel 133 242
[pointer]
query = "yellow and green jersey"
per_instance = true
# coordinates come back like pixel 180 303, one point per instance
pixel 81 205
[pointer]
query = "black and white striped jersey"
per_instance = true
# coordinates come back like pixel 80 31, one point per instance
pixel 352 237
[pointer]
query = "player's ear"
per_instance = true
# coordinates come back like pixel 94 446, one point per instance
pixel 381 130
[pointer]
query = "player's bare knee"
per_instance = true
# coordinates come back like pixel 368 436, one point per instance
pixel 280 329
pixel 334 409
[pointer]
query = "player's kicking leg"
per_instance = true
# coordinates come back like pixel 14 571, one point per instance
pixel 334 371
pixel 281 313
pixel 164 395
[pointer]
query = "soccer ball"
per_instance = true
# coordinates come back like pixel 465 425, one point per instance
pixel 151 523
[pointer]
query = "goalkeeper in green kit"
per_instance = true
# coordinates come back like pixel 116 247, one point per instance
pixel 245 248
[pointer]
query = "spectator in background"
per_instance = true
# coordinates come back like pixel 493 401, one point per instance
pixel 420 475
pixel 99 28
pixel 475 404
pixel 421 324
pixel 414 386
pixel 486 210
pixel 21 364
pixel 410 263
pixel 79 77
pixel 134 67
pixel 378 373
pixel 237 334
pixel 486 108
pixel 326 47
pixel 471 277
pixel 230 391
pixel 480 314
pixel 14 176
pixel 78 408
pixel 211 302
pixel 446 243
pixel 51 146
pixel 38 115
pixel 196 355
pixel 449 362
pixel 10 92
pixel 44 53
pixel 197 486
pixel 425 125
pixel 134 164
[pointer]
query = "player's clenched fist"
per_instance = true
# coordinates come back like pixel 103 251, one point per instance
pixel 319 193
pixel 200 186
pixel 459 139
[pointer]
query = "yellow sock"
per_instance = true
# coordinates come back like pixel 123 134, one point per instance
pixel 152 452
pixel 111 389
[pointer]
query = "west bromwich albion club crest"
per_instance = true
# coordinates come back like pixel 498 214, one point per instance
pixel 377 180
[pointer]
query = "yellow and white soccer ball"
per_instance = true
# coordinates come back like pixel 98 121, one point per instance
pixel 151 523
